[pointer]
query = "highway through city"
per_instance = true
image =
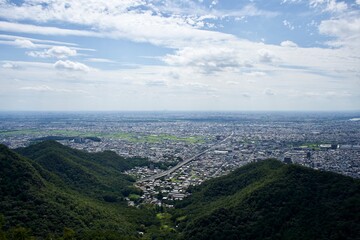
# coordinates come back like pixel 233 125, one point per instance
pixel 171 170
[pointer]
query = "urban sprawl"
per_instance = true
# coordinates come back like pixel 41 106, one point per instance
pixel 196 146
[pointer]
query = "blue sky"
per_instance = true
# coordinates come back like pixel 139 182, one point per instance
pixel 180 55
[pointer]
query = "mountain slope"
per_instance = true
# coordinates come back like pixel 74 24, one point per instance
pixel 56 187
pixel 24 194
pixel 270 200
pixel 94 174
pixel 43 196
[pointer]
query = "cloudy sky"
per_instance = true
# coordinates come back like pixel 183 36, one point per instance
pixel 179 55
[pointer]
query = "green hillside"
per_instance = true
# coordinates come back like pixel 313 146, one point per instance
pixel 60 189
pixel 94 174
pixel 271 200
pixel 51 191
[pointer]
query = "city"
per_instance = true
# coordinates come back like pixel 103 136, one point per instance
pixel 195 147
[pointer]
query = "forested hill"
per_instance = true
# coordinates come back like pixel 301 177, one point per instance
pixel 51 191
pixel 271 200
pixel 56 188
pixel 95 174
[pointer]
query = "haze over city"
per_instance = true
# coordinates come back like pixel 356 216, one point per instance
pixel 180 55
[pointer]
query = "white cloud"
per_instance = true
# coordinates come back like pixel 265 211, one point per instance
pixel 340 27
pixel 135 20
pixel 26 65
pixel 10 65
pixel 61 52
pixel 39 88
pixel 195 87
pixel 327 94
pixel 255 74
pixel 194 52
pixel 72 66
pixel 31 43
pixel 291 1
pixel 100 60
pixel 346 31
pixel 207 59
pixel 46 88
pixel 358 2
pixel 24 43
pixel 28 28
pixel 56 52
pixel 265 56
pixel 120 84
pixel 288 43
pixel 34 40
pixel 249 10
pixel 288 25
pixel 334 6
pixel 329 5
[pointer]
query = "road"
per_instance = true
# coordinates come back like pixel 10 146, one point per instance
pixel 171 170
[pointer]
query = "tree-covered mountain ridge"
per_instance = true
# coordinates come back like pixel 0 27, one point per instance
pixel 51 191
pixel 272 200
pixel 47 187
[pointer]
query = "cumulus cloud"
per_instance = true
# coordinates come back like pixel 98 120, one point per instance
pixel 135 20
pixel 288 43
pixel 56 52
pixel 10 65
pixel 207 59
pixel 194 51
pixel 346 30
pixel 71 66
pixel 61 52
pixel 24 43
pixel 329 5
pixel 334 6
pixel 266 56
pixel 340 27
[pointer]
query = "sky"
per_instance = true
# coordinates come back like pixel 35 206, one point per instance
pixel 189 55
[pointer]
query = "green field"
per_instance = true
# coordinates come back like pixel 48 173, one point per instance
pixel 152 138
pixel 38 132
pixel 131 137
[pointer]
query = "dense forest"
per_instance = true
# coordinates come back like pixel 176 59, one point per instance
pixel 50 191
pixel 271 200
